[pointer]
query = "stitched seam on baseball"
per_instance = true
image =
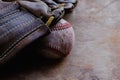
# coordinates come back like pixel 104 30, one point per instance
pixel 61 30
pixel 60 53
pixel 60 26
pixel 50 45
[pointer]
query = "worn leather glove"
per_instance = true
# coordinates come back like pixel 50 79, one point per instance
pixel 19 27
pixel 23 22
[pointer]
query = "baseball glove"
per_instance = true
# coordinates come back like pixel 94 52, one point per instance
pixel 20 25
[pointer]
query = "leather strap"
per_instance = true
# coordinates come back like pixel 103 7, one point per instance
pixel 17 29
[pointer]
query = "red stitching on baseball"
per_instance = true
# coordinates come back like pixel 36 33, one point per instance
pixel 60 26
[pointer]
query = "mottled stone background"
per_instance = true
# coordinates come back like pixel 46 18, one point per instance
pixel 96 53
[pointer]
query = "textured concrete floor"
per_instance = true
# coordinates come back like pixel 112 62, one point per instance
pixel 95 56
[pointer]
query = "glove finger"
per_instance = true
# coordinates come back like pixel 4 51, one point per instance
pixel 68 7
pixel 52 4
pixel 68 4
pixel 37 8
pixel 66 1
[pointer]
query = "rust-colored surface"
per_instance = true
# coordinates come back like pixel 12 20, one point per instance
pixel 95 56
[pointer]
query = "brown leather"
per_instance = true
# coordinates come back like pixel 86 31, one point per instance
pixel 18 28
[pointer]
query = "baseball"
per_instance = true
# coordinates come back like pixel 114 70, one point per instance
pixel 59 42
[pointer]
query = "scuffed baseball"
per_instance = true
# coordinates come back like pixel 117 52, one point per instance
pixel 59 42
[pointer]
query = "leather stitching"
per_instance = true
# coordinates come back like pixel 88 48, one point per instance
pixel 23 24
pixel 10 14
pixel 14 45
pixel 7 7
pixel 15 19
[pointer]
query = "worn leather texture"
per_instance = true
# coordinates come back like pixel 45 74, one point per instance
pixel 18 28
